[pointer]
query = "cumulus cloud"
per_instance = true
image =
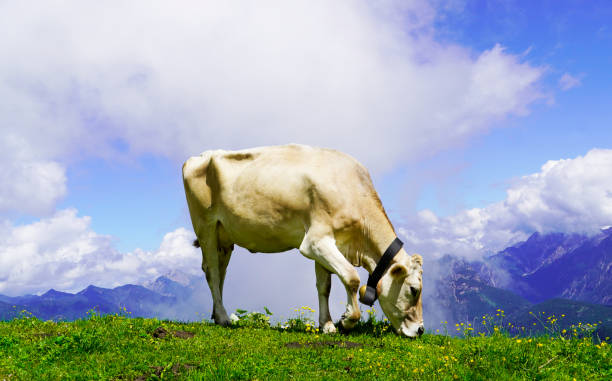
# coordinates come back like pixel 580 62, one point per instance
pixel 29 182
pixel 64 253
pixel 32 187
pixel 568 81
pixel 567 195
pixel 175 80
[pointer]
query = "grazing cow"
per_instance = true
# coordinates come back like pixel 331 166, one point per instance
pixel 320 201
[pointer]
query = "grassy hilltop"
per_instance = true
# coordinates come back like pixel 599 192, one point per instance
pixel 122 348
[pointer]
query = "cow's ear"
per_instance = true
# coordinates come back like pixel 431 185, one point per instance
pixel 398 271
pixel 417 259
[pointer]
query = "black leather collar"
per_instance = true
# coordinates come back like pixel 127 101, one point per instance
pixel 370 296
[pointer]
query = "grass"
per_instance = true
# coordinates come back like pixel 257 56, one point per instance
pixel 123 348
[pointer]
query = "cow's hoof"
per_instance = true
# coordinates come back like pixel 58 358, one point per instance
pixel 223 321
pixel 348 324
pixel 329 327
pixel 341 329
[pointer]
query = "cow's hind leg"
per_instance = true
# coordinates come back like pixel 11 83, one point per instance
pixel 225 254
pixel 212 262
pixel 321 246
pixel 323 287
pixel 225 248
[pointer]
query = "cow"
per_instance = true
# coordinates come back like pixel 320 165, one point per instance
pixel 319 201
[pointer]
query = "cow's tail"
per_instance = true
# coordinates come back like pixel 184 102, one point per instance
pixel 196 243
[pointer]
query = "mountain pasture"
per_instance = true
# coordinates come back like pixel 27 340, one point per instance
pixel 123 348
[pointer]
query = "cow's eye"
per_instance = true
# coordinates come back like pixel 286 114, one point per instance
pixel 414 291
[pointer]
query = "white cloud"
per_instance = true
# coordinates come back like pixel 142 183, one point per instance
pixel 470 233
pixel 32 187
pixel 567 195
pixel 568 81
pixel 81 76
pixel 29 182
pixel 64 253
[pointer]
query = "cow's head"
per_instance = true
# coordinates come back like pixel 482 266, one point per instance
pixel 399 294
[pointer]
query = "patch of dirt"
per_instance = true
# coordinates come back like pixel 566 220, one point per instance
pixel 184 334
pixel 158 370
pixel 161 332
pixel 324 344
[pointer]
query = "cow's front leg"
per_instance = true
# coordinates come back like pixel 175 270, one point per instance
pixel 323 287
pixel 321 247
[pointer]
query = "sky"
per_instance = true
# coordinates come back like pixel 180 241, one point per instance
pixel 481 122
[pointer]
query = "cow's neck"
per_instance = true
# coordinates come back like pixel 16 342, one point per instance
pixel 379 238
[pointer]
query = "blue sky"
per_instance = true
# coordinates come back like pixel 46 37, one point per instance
pixel 450 104
pixel 566 37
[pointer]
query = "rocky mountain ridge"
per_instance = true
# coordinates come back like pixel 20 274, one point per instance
pixel 555 265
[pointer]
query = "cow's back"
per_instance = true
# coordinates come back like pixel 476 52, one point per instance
pixel 267 197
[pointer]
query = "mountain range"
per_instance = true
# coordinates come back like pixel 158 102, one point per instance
pixel 558 265
pixel 569 274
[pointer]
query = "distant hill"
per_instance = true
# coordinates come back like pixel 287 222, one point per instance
pixel 55 305
pixel 8 311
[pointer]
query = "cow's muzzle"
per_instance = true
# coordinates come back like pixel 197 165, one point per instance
pixel 411 330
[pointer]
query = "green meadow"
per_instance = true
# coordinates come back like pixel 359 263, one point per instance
pixel 118 347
